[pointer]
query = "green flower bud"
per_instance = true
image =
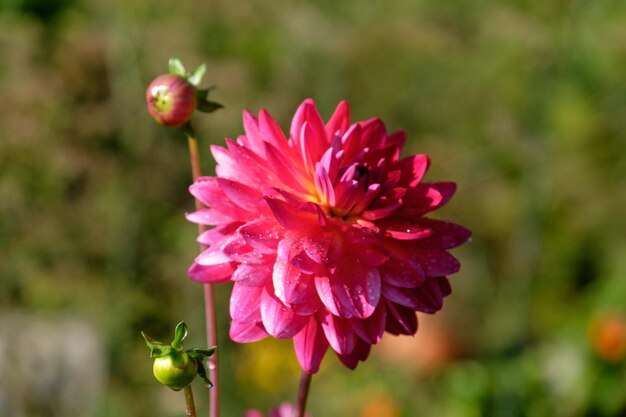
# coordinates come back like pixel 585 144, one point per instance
pixel 173 366
pixel 176 370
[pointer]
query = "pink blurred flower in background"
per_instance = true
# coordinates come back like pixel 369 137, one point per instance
pixel 324 234
pixel 283 410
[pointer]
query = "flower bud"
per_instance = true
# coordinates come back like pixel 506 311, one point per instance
pixel 176 369
pixel 171 100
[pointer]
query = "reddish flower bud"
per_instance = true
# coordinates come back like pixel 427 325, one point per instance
pixel 171 100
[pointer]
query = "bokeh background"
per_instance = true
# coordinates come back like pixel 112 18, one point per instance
pixel 521 102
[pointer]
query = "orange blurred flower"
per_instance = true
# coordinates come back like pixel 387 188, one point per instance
pixel 380 405
pixel 607 335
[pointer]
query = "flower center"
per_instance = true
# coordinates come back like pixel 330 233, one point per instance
pixel 361 171
pixel 352 193
pixel 161 98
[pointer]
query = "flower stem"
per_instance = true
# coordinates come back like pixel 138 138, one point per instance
pixel 209 298
pixel 190 410
pixel 303 392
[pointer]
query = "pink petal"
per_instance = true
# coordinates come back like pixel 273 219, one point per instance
pixel 304 263
pixel 208 191
pixel 279 320
pixel 289 216
pixel 313 134
pixel 227 164
pixel 243 165
pixel 403 273
pixel 374 132
pixel 444 286
pixel 391 180
pixel 215 261
pixel 285 410
pixel 401 296
pixel 339 121
pixel 253 413
pixel 315 209
pixel 400 320
pixel 317 247
pixel 245 303
pixel 208 216
pixel 291 250
pixel 218 234
pixel 310 303
pixel 403 229
pixel 356 290
pixel 360 353
pixel 325 293
pixel 371 255
pixel 372 328
pixel 331 159
pixel 397 138
pixel 437 262
pixel 351 141
pixel 304 139
pixel 446 235
pixel 413 169
pixel 262 234
pixel 246 332
pixel 290 285
pixel 324 186
pixel 339 333
pixel 310 345
pixel 210 274
pixel 271 131
pixel 245 197
pixel 382 212
pixel 430 295
pixel 368 198
pixel 347 195
pixel 252 275
pixel 307 113
pixel 253 139
pixel 287 171
pixel 426 197
pixel 299 118
pixel 236 249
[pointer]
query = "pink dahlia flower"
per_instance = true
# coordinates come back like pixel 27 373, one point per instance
pixel 324 234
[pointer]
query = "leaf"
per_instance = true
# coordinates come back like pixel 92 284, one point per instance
pixel 203 93
pixel 179 335
pixel 201 354
pixel 207 106
pixel 202 373
pixel 157 349
pixel 176 67
pixel 196 76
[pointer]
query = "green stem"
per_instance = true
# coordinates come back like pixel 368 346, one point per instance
pixel 209 298
pixel 190 410
pixel 303 393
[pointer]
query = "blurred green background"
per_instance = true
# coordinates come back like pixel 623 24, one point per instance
pixel 522 103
